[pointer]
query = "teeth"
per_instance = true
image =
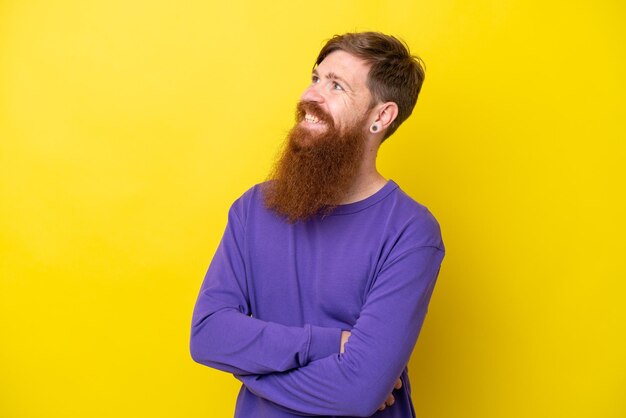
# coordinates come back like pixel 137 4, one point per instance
pixel 311 118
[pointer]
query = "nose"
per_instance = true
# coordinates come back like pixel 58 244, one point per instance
pixel 311 94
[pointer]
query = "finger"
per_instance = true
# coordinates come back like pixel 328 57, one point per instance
pixel 382 407
pixel 398 384
pixel 390 400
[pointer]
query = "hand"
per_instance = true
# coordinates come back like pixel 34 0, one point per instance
pixel 390 399
pixel 344 339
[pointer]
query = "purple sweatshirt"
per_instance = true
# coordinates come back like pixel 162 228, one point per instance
pixel 276 297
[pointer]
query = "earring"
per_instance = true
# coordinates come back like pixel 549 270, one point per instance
pixel 374 128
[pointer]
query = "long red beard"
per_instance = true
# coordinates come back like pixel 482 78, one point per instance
pixel 315 170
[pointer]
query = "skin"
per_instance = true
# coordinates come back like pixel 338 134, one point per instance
pixel 339 87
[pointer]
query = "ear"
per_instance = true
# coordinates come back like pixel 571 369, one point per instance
pixel 385 114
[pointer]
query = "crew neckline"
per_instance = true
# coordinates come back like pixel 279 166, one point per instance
pixel 367 202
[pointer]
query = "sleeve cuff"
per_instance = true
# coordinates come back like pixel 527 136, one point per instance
pixel 324 342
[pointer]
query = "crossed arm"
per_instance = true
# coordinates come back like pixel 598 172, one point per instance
pixel 305 372
pixel 224 335
pixel 358 381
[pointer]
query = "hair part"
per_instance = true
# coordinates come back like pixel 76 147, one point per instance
pixel 394 76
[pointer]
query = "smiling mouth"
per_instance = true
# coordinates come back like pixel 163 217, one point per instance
pixel 312 119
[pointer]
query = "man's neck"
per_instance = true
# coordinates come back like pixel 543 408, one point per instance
pixel 368 181
pixel 363 187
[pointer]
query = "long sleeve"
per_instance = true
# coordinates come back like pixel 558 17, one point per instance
pixel 224 335
pixel 356 382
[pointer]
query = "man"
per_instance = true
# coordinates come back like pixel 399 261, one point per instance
pixel 318 290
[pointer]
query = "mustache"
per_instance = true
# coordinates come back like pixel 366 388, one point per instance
pixel 313 109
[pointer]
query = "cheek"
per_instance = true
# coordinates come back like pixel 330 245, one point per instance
pixel 343 113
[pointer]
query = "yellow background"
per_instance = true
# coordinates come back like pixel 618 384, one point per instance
pixel 127 128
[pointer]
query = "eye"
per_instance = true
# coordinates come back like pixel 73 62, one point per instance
pixel 337 86
pixel 314 79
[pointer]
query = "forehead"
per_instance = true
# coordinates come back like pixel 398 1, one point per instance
pixel 346 66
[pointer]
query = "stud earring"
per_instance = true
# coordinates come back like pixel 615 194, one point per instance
pixel 374 128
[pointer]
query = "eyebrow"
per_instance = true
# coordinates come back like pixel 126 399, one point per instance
pixel 333 76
